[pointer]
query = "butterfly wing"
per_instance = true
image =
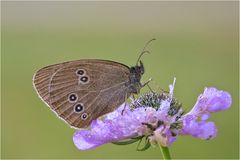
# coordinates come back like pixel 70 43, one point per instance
pixel 41 81
pixel 81 91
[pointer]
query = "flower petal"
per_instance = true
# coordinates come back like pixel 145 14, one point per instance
pixel 217 100
pixel 163 136
pixel 203 130
pixel 82 140
pixel 212 100
pixel 115 127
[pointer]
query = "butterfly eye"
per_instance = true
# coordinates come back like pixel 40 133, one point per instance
pixel 142 70
pixel 84 79
pixel 80 72
pixel 78 108
pixel 84 116
pixel 72 97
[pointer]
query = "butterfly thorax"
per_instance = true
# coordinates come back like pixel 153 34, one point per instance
pixel 136 73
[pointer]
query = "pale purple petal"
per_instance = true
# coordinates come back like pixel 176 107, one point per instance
pixel 212 100
pixel 218 100
pixel 171 87
pixel 84 140
pixel 203 130
pixel 205 116
pixel 115 127
pixel 164 136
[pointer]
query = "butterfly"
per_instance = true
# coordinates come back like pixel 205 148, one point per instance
pixel 82 90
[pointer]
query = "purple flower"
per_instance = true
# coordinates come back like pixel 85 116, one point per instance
pixel 156 117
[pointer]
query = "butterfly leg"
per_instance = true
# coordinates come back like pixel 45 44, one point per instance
pixel 123 109
pixel 133 101
pixel 126 97
pixel 147 84
pixel 133 97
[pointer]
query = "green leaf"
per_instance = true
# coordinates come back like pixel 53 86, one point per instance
pixel 147 145
pixel 139 143
pixel 126 142
pixel 140 137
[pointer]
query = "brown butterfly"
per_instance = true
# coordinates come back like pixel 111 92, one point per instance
pixel 83 90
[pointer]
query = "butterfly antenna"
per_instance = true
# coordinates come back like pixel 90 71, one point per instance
pixel 144 51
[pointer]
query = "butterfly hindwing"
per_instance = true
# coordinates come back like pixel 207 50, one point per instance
pixel 41 81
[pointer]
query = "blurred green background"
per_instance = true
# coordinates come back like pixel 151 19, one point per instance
pixel 197 42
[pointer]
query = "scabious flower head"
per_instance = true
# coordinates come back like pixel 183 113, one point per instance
pixel 157 117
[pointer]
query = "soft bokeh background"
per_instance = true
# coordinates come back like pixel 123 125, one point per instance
pixel 197 42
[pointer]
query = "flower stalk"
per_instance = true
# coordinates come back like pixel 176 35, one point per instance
pixel 165 152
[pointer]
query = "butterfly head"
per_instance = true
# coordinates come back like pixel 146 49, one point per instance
pixel 140 68
pixel 136 73
pixel 137 70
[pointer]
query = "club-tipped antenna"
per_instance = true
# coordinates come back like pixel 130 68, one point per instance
pixel 144 51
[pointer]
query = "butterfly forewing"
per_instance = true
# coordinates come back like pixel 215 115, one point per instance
pixel 81 91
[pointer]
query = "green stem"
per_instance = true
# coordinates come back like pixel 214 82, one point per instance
pixel 165 152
